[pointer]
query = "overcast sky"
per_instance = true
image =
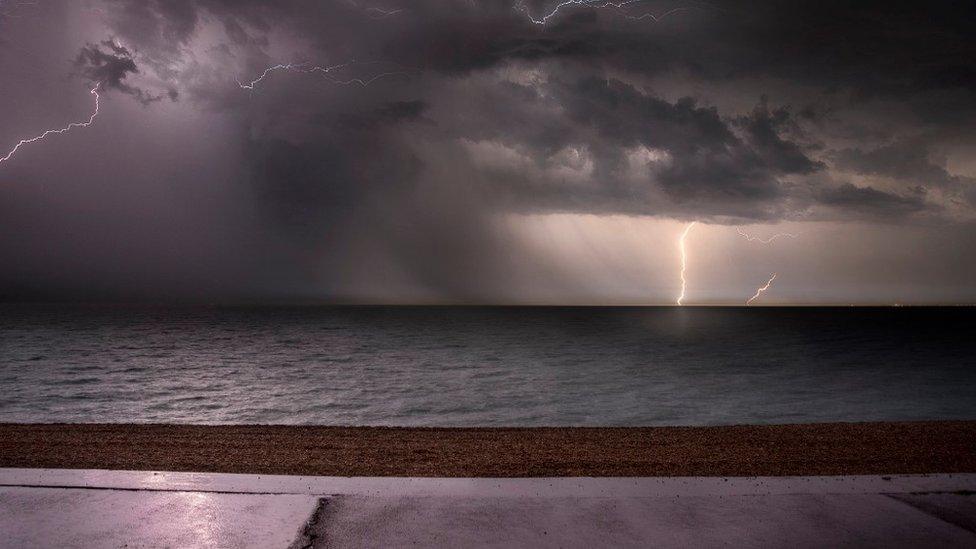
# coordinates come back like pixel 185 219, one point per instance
pixel 477 151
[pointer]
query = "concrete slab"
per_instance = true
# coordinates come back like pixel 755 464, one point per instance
pixel 85 518
pixel 796 521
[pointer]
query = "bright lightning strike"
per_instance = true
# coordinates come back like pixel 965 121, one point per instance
pixel 324 71
pixel 597 4
pixel 762 289
pixel 380 13
pixel 91 119
pixel 751 238
pixel 684 259
pixel 250 85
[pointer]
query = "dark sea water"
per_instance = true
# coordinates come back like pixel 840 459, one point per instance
pixel 485 366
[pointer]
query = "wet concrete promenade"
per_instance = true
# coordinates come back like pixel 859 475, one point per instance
pixel 92 508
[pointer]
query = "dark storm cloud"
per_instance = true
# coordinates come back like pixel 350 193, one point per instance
pixel 163 24
pixel 715 165
pixel 867 202
pixel 764 130
pixel 110 68
pixel 908 160
pixel 708 160
pixel 604 146
pixel 720 161
pixel 875 47
pixel 391 113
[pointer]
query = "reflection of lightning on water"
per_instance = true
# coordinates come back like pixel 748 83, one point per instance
pixel 762 289
pixel 324 71
pixel 751 238
pixel 684 259
pixel 22 142
pixel 598 4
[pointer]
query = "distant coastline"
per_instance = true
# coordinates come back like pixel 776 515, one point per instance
pixel 744 450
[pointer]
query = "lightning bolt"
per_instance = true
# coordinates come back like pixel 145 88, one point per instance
pixel 597 4
pixel 374 12
pixel 324 71
pixel 91 119
pixel 250 85
pixel 762 289
pixel 751 238
pixel 684 259
pixel 380 13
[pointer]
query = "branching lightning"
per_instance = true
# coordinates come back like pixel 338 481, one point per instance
pixel 374 12
pixel 765 242
pixel 324 71
pixel 751 238
pixel 684 259
pixel 598 4
pixel 250 85
pixel 762 289
pixel 91 119
pixel 380 13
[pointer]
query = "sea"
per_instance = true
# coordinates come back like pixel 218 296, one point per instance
pixel 485 366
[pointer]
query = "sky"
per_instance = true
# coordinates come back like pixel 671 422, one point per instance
pixel 489 152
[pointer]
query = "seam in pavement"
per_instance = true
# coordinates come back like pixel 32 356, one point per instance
pixel 146 489
pixel 933 492
pixel 933 511
pixel 309 534
pixel 325 494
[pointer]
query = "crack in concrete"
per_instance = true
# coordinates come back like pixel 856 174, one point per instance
pixel 310 533
pixel 148 489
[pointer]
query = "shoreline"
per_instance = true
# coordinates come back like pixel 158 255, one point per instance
pixel 866 448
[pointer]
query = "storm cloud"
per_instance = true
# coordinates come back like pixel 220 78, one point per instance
pixel 110 68
pixel 429 121
pixel 587 82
